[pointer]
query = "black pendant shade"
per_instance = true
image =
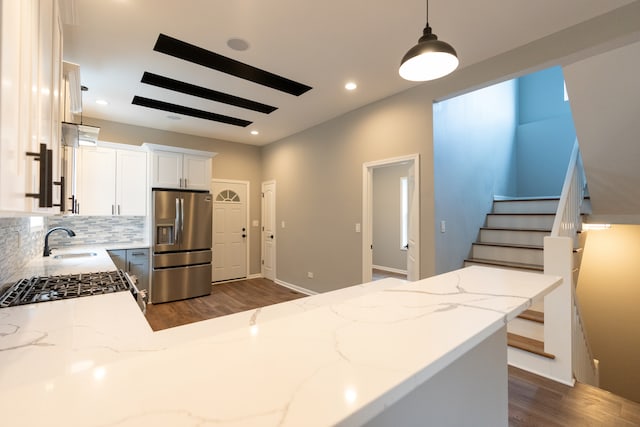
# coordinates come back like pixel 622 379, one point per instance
pixel 430 59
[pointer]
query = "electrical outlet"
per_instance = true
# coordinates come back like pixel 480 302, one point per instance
pixel 310 275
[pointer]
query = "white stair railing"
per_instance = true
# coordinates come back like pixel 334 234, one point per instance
pixel 562 315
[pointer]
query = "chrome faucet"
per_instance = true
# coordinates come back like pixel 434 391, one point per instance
pixel 47 250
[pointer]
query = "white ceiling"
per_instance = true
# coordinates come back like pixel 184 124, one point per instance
pixel 322 44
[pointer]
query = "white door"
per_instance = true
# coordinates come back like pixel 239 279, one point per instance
pixel 413 232
pixel 413 248
pixel 269 230
pixel 230 232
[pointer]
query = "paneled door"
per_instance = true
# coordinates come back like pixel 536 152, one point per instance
pixel 269 230
pixel 230 231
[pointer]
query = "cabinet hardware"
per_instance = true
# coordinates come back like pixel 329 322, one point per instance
pixel 62 193
pixel 44 194
pixel 118 209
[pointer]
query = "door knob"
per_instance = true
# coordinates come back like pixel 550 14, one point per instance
pixel 244 229
pixel 244 235
pixel 271 236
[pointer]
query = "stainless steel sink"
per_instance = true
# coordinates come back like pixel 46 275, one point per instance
pixel 75 255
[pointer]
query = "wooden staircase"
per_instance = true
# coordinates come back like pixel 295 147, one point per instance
pixel 513 238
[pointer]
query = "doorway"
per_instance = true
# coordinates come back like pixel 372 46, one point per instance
pixel 412 226
pixel 230 233
pixel 269 230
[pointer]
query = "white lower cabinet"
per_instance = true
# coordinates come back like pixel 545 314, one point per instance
pixel 112 182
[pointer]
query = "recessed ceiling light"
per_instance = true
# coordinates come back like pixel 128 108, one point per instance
pixel 254 132
pixel 238 44
pixel 171 117
pixel 350 86
pixel 102 102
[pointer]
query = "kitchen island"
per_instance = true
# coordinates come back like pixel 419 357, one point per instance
pixel 374 354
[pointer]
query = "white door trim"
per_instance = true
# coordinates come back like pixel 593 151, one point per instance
pixel 248 216
pixel 367 211
pixel 262 240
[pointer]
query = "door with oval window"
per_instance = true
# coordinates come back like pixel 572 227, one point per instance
pixel 230 231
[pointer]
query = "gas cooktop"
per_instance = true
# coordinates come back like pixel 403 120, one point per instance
pixel 51 288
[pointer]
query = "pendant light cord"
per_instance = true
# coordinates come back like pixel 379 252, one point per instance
pixel 427 12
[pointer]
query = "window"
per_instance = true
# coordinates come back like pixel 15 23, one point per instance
pixel 404 213
pixel 228 196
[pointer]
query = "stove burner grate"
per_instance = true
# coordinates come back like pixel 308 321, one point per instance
pixel 51 288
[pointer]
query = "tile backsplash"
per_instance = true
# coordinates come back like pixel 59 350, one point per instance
pixel 21 239
pixel 91 230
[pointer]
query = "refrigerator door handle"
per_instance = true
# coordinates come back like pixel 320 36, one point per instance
pixel 181 217
pixel 176 222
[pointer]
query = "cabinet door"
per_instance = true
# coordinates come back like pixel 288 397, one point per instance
pixel 197 172
pixel 97 181
pixel 167 169
pixel 12 151
pixel 119 258
pixel 131 183
pixel 138 265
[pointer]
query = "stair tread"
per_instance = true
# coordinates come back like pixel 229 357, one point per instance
pixel 532 315
pixel 527 199
pixel 536 230
pixel 535 267
pixel 509 245
pixel 522 213
pixel 528 344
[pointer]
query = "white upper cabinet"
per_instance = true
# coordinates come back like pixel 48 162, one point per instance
pixel 196 172
pixel 30 58
pixel 112 181
pixel 180 169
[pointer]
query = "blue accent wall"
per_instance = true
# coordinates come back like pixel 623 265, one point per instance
pixel 545 134
pixel 474 159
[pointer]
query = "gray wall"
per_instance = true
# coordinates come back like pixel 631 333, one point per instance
pixel 474 159
pixel 319 171
pixel 233 161
pixel 387 251
pixel 604 94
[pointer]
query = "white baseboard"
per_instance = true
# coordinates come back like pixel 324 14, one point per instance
pixel 295 287
pixel 389 269
pixel 251 276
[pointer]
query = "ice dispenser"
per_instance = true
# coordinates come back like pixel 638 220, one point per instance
pixel 165 235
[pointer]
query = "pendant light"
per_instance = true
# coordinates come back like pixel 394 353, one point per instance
pixel 430 59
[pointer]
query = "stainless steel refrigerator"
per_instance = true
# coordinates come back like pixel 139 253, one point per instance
pixel 181 266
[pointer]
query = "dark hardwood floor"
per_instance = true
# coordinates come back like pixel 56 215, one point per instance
pixel 533 401
pixel 225 298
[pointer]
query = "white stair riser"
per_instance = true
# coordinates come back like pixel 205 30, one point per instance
pixel 544 222
pixel 513 237
pixel 526 328
pixel 526 206
pixel 521 255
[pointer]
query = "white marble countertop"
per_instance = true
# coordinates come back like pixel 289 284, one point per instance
pixel 49 266
pixel 329 360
